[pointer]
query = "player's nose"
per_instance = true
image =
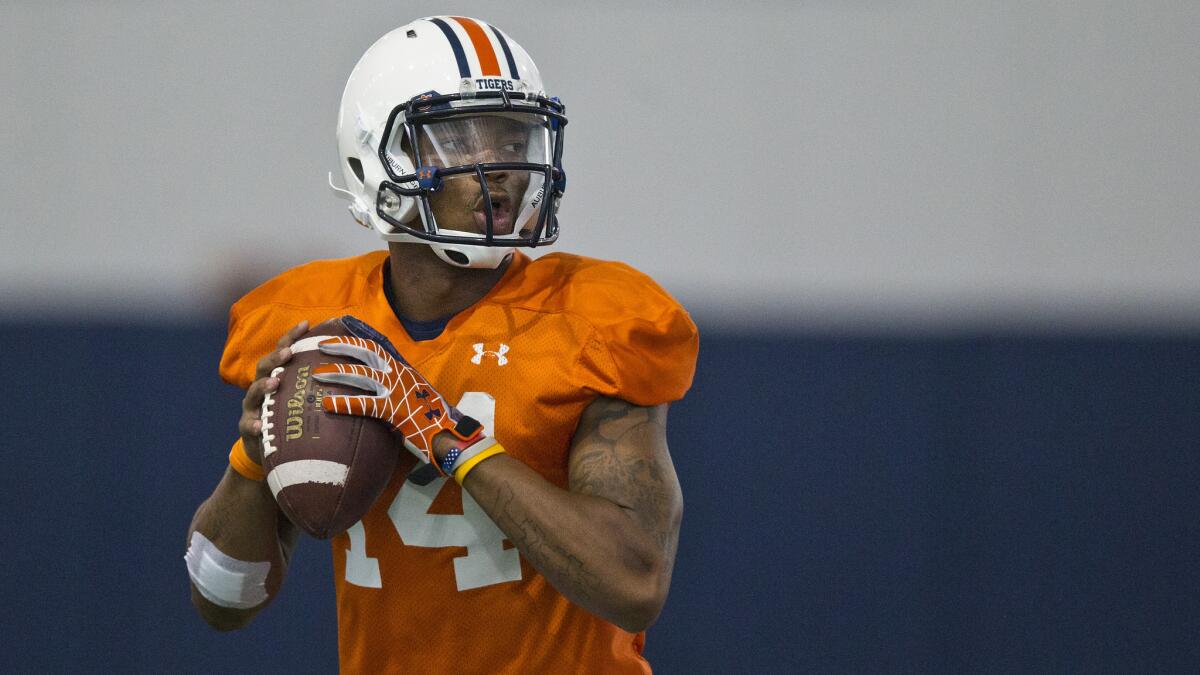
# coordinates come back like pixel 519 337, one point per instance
pixel 496 177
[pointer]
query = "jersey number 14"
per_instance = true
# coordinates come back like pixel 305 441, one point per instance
pixel 487 562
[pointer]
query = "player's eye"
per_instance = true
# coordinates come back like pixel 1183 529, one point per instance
pixel 513 149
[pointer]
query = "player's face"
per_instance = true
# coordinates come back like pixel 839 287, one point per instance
pixel 459 205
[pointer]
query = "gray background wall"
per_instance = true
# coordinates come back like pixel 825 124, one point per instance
pixel 914 164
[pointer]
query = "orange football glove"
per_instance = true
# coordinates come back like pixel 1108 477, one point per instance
pixel 400 396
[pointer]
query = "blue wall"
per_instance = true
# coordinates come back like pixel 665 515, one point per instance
pixel 853 504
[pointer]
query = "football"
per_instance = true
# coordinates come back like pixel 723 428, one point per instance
pixel 325 470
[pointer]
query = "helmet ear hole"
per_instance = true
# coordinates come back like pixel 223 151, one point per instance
pixel 356 166
pixel 457 257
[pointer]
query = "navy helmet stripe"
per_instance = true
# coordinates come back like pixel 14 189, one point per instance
pixel 512 65
pixel 464 70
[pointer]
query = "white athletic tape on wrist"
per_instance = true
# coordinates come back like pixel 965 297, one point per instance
pixel 224 581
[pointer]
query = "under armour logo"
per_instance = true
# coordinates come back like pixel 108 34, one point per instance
pixel 501 359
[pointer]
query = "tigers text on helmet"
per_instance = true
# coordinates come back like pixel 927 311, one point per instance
pixel 448 115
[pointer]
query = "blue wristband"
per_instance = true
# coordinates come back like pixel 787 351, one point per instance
pixel 449 460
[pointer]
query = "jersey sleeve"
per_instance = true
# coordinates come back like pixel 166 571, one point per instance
pixel 314 292
pixel 252 335
pixel 643 345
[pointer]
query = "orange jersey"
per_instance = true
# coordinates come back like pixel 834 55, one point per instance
pixel 426 582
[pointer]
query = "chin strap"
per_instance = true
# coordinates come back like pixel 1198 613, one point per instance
pixel 358 208
pixel 477 257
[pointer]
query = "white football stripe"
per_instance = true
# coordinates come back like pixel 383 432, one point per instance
pixel 306 471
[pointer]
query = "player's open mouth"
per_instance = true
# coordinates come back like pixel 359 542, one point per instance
pixel 502 213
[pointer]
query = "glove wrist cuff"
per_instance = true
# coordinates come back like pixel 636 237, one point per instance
pixel 467 428
pixel 463 450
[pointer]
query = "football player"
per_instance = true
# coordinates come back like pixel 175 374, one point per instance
pixel 543 539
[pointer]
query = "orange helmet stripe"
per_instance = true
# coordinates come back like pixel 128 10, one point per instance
pixel 483 46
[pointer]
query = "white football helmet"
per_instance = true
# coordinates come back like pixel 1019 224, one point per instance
pixel 452 99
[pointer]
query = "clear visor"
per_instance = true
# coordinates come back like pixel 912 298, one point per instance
pixel 481 139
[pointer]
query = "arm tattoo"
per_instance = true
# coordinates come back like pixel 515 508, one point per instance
pixel 621 473
pixel 620 454
pixel 542 550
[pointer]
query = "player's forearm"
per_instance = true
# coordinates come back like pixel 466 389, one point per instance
pixel 589 548
pixel 242 520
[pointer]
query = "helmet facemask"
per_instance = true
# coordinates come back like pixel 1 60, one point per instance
pixel 485 162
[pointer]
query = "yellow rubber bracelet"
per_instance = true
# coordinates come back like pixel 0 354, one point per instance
pixel 242 463
pixel 461 472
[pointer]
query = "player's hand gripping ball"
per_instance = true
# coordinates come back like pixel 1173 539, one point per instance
pixel 399 395
pixel 324 470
